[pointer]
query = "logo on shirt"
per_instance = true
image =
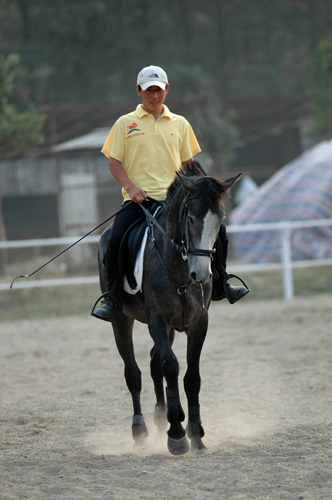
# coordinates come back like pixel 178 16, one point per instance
pixel 133 128
pixel 134 131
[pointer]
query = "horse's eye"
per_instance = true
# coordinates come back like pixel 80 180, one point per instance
pixel 191 219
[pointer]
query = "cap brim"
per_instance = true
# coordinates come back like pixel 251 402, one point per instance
pixel 152 83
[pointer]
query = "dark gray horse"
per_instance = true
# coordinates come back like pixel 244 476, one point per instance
pixel 176 294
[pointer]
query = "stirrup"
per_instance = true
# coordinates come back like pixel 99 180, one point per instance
pixel 229 276
pixel 95 305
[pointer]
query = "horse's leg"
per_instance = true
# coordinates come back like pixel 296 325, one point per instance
pixel 192 384
pixel 123 333
pixel 159 416
pixel 157 376
pixel 177 441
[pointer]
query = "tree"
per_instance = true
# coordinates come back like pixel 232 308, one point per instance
pixel 319 85
pixel 216 129
pixel 17 129
pixel 75 51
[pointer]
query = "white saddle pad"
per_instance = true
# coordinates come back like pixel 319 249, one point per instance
pixel 138 270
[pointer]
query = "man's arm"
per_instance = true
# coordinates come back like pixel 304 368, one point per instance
pixel 136 194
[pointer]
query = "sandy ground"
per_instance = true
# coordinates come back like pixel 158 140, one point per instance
pixel 265 403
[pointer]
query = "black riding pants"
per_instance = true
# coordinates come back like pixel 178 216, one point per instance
pixel 129 214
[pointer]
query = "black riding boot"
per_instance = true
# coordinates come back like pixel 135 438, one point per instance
pixel 113 299
pixel 221 288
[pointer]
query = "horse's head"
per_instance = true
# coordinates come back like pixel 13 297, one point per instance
pixel 201 213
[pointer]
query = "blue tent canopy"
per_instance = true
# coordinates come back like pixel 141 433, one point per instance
pixel 302 190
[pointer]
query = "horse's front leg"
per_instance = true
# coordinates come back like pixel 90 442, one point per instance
pixel 157 376
pixel 192 384
pixel 123 333
pixel 177 442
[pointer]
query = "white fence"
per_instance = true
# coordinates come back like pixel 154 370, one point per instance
pixel 286 264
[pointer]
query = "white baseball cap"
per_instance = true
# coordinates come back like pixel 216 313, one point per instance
pixel 152 75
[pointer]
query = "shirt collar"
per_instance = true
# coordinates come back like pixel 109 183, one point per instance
pixel 141 112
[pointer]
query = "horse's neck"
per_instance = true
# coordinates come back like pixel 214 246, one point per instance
pixel 172 218
pixel 172 225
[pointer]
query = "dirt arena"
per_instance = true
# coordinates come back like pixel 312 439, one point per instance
pixel 265 404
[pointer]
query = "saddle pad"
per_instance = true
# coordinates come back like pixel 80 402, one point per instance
pixel 139 265
pixel 138 270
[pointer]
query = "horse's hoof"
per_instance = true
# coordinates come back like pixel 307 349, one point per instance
pixel 199 451
pixel 139 429
pixel 178 446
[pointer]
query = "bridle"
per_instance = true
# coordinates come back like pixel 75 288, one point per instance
pixel 185 238
pixel 184 246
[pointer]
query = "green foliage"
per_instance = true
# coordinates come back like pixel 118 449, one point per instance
pixel 17 129
pixel 215 128
pixel 7 72
pixel 77 51
pixel 319 84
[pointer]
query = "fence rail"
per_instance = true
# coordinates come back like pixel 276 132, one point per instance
pixel 286 264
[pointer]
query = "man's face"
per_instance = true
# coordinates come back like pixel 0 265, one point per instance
pixel 153 98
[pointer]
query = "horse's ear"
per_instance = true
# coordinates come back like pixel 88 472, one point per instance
pixel 231 181
pixel 187 183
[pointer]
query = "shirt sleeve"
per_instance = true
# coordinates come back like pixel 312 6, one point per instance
pixel 189 146
pixel 114 144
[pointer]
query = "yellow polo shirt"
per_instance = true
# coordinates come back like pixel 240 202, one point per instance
pixel 151 150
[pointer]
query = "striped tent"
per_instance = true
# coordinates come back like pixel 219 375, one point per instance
pixel 302 190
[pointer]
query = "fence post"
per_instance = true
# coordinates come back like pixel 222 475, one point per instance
pixel 287 264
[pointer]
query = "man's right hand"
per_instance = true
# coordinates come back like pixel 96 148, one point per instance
pixel 137 194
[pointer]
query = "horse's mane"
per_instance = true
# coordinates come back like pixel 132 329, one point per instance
pixel 189 169
pixel 210 188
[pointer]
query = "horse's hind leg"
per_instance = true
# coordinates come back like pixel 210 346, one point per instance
pixel 123 333
pixel 192 385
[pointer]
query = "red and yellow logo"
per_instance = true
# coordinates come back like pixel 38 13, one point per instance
pixel 132 128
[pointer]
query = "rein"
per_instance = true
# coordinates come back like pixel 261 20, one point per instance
pixel 65 250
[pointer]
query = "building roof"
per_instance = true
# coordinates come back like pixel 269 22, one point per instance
pixel 93 140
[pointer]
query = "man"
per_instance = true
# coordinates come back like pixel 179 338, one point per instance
pixel 145 148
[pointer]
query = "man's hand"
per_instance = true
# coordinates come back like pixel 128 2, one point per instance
pixel 137 194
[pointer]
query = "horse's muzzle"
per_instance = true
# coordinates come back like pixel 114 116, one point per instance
pixel 199 279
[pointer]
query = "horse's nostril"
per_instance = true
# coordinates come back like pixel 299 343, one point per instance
pixel 193 276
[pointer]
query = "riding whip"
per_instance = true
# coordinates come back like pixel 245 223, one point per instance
pixel 65 250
